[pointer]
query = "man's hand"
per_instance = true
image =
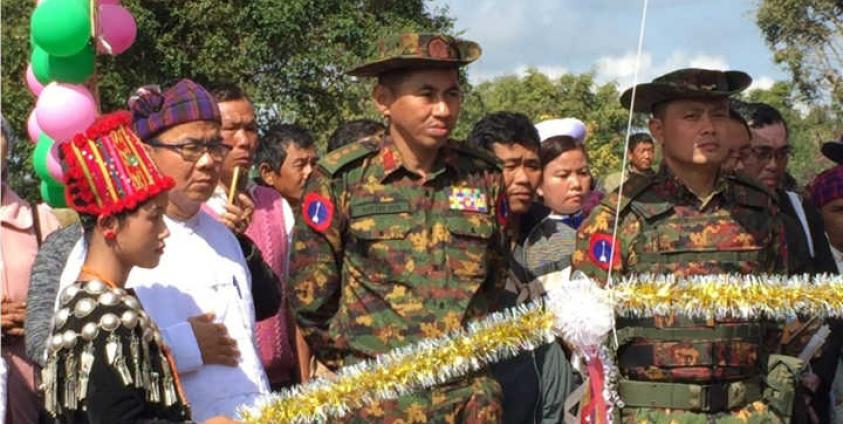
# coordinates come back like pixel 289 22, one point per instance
pixel 12 317
pixel 213 341
pixel 238 215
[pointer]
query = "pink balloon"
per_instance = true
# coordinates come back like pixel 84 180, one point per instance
pixel 54 164
pixel 34 86
pixel 116 27
pixel 64 110
pixel 32 128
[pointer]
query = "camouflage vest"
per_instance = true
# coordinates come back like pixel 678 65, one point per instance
pixel 735 238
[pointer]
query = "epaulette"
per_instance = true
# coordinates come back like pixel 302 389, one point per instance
pixel 471 150
pixel 634 185
pixel 752 192
pixel 334 161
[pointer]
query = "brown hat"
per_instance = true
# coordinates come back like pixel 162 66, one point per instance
pixel 414 50
pixel 687 83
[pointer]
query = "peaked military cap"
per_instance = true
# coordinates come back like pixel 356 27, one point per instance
pixel 415 50
pixel 689 83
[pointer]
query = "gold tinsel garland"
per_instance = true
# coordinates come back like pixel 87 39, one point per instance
pixel 502 335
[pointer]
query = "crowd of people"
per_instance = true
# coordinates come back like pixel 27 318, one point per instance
pixel 213 261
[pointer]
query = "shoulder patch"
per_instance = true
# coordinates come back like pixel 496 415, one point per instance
pixel 334 161
pixel 318 211
pixel 469 149
pixel 600 251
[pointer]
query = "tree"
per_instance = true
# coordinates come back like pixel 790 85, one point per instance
pixel 289 56
pixel 540 97
pixel 807 37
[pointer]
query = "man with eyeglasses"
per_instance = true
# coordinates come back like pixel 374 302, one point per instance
pixel 808 251
pixel 200 293
pixel 767 163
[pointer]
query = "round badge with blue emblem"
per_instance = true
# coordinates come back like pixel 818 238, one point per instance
pixel 600 247
pixel 318 211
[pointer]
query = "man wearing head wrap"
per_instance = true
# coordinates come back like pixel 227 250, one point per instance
pixel 200 294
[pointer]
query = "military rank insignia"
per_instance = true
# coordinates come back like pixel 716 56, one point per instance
pixel 600 248
pixel 318 211
pixel 467 199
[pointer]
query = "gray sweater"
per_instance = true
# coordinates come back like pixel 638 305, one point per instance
pixel 44 286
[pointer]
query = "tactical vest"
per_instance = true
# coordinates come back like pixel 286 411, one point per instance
pixel 715 363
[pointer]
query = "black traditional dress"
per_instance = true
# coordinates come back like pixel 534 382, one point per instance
pixel 107 362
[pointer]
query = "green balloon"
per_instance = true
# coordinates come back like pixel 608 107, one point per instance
pixel 53 194
pixel 40 61
pixel 61 27
pixel 39 159
pixel 74 69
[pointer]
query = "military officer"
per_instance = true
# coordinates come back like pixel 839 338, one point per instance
pixel 690 219
pixel 400 238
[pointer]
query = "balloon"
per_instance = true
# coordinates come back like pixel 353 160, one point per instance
pixel 117 28
pixel 39 158
pixel 61 27
pixel 64 110
pixel 75 69
pixel 32 82
pixel 53 194
pixel 32 128
pixel 40 61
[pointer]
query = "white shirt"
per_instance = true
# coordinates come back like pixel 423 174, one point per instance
pixel 202 270
pixel 838 258
pixel 219 198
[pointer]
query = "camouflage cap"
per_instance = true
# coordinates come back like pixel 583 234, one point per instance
pixel 414 50
pixel 687 83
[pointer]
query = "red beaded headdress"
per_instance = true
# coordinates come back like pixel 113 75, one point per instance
pixel 108 171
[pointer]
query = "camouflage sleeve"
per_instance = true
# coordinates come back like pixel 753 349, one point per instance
pixel 780 265
pixel 594 244
pixel 315 279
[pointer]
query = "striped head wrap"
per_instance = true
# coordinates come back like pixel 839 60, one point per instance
pixel 154 110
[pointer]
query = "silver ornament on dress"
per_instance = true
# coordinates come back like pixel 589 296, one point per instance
pixel 84 307
pixel 109 322
pixel 95 287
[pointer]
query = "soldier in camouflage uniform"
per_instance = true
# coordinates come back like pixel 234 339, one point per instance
pixel 400 238
pixel 687 220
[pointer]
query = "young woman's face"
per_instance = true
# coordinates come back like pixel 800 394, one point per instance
pixel 141 234
pixel 565 182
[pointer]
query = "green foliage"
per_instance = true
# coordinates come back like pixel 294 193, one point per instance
pixel 807 37
pixel 540 97
pixel 288 55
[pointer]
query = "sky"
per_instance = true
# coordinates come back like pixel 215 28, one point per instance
pixel 558 36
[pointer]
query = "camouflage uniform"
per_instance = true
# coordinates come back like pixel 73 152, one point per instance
pixel 398 258
pixel 676 369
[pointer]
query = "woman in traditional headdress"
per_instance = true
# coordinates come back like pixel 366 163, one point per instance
pixel 107 362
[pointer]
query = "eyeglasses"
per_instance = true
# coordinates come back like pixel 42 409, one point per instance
pixel 192 150
pixel 764 153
